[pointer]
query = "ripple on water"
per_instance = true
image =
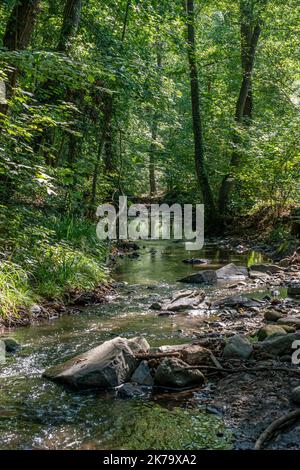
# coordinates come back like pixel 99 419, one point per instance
pixel 38 414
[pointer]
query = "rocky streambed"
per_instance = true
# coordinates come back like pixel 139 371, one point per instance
pixel 211 357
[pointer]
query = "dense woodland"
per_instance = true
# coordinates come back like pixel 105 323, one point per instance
pixel 176 101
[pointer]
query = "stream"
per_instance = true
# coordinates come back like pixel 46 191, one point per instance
pixel 38 414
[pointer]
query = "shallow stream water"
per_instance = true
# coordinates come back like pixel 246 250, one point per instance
pixel 38 414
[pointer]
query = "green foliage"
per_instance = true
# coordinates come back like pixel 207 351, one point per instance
pixel 279 234
pixel 15 292
pixel 79 126
pixel 47 257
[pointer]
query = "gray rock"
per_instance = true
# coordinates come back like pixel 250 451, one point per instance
pixel 290 321
pixel 272 315
pixel 296 395
pixel 106 366
pixel 142 374
pixel 294 289
pixel 237 347
pixel 279 345
pixel 35 310
pixel 232 272
pixel 266 268
pixel 11 345
pixel 195 354
pixel 138 344
pixel 237 301
pixel 155 306
pixel 184 300
pixel 270 330
pixel 207 276
pixel 173 372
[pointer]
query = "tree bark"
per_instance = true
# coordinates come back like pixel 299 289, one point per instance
pixel 107 112
pixel 154 129
pixel 250 33
pixel 201 172
pixel 152 180
pixel 16 37
pixel 70 24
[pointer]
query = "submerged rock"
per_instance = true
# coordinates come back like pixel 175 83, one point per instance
pixel 202 277
pixel 165 313
pixel 142 374
pixel 130 390
pixel 11 345
pixel 106 366
pixel 196 261
pixel 238 347
pixel 173 372
pixel 155 306
pixel 279 345
pixel 270 330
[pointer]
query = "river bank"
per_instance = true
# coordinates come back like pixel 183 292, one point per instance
pixel 150 277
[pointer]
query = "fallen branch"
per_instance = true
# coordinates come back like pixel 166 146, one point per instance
pixel 246 369
pixel 156 355
pixel 215 361
pixel 274 426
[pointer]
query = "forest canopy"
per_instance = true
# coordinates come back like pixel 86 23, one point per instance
pixel 194 101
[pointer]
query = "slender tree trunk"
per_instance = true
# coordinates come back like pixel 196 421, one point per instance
pixel 106 126
pixel 154 128
pixel 108 106
pixel 201 172
pixel 70 24
pixel 16 37
pixel 250 33
pixel 152 180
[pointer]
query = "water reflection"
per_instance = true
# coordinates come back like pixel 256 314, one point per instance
pixel 36 414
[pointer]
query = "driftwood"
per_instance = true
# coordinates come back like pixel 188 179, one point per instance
pixel 274 426
pixel 158 355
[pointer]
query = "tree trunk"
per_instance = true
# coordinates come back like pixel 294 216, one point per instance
pixel 154 129
pixel 70 24
pixel 105 134
pixel 152 181
pixel 107 112
pixel 201 173
pixel 250 34
pixel 17 36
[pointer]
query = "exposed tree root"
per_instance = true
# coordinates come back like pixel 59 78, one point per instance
pixel 158 355
pixel 247 369
pixel 274 426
